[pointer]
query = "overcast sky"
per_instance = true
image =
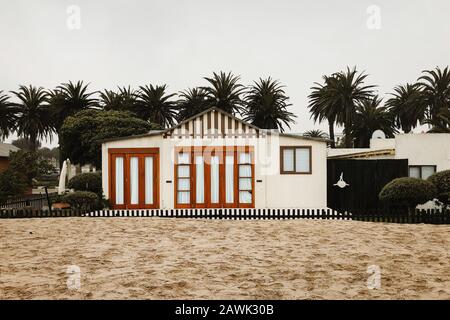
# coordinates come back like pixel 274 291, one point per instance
pixel 123 42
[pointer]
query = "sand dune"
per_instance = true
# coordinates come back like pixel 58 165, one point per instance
pixel 156 258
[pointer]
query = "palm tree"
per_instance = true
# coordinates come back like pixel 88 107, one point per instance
pixel 7 116
pixel 110 100
pixel 440 123
pixel 316 133
pixel 68 99
pixel 225 92
pixel 192 102
pixel 435 85
pixel 128 98
pixel 406 104
pixel 321 108
pixel 266 105
pixel 34 119
pixel 371 116
pixel 346 90
pixel 155 106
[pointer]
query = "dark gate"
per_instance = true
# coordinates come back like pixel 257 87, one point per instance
pixel 362 181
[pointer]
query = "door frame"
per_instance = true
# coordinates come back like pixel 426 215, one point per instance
pixel 127 153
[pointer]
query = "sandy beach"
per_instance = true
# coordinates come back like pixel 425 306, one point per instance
pixel 157 258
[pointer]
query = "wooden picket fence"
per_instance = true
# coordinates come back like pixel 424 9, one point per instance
pixel 419 216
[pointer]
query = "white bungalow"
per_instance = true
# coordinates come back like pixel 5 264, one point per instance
pixel 214 160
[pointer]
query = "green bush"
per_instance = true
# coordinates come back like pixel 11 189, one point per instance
pixel 441 181
pixel 407 192
pixel 91 181
pixel 82 199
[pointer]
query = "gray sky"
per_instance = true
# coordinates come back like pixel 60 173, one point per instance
pixel 179 42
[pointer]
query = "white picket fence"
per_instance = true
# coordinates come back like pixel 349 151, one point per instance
pixel 227 213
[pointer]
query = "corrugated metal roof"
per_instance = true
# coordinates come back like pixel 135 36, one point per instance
pixel 5 148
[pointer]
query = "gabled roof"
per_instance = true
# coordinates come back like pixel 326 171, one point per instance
pixel 5 148
pixel 218 110
pixel 214 122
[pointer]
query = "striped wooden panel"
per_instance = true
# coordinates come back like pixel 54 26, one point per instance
pixel 213 124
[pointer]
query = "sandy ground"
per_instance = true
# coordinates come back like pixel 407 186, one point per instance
pixel 157 258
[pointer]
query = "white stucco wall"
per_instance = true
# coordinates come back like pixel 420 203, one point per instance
pixel 424 149
pixel 275 190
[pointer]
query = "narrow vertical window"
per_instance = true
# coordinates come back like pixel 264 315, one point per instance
pixel 302 161
pixel 199 179
pixel 229 178
pixel 134 180
pixel 214 179
pixel 183 176
pixel 119 181
pixel 245 178
pixel 148 180
pixel 288 160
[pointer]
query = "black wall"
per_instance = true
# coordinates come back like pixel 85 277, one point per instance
pixel 366 178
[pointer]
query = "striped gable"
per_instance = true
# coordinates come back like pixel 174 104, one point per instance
pixel 213 123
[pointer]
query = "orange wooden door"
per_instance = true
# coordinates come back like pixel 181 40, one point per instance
pixel 134 179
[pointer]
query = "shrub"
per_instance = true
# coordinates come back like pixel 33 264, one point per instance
pixel 441 181
pixel 81 199
pixel 11 183
pixel 91 181
pixel 407 192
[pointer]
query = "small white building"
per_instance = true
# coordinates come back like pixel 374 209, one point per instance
pixel 214 160
pixel 427 153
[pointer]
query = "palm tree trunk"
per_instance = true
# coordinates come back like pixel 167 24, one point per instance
pixel 331 131
pixel 347 130
pixel 33 142
pixel 348 136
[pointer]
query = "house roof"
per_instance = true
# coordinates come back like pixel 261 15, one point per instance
pixel 365 154
pixel 179 125
pixel 5 148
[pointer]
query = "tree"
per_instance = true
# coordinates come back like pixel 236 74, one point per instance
pixel 441 181
pixel 110 100
pixel 266 105
pixel 29 165
pixel 435 86
pixel 7 115
pixel 123 100
pixel 129 98
pixel 154 105
pixel 406 104
pixel 369 117
pixel 192 102
pixel 11 183
pixel 68 99
pixel 440 123
pixel 82 134
pixel 316 133
pixel 344 91
pixel 407 192
pixel 321 107
pixel 24 144
pixel 225 92
pixel 34 120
